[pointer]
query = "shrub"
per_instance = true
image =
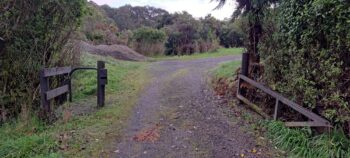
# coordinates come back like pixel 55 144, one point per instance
pixel 310 58
pixel 149 41
pixel 35 33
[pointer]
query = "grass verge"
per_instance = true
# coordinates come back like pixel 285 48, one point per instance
pixel 297 142
pixel 86 135
pixel 219 53
pixel 227 69
pixel 223 78
pixel 302 143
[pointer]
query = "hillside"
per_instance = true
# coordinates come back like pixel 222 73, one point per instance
pixel 121 52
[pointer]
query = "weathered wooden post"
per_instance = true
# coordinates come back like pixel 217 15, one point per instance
pixel 244 71
pixel 245 64
pixel 101 83
pixel 44 87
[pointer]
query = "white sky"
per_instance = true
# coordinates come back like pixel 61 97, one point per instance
pixel 198 8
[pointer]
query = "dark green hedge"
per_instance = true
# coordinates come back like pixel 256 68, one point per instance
pixel 308 58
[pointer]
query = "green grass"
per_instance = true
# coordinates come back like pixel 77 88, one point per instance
pixel 80 136
pixel 227 69
pixel 302 143
pixel 219 53
pixel 87 135
pixel 84 82
pixel 295 141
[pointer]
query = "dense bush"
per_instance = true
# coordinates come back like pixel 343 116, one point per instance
pixel 230 35
pixel 308 58
pixel 149 41
pixel 98 28
pixel 187 35
pixel 35 32
pixel 129 18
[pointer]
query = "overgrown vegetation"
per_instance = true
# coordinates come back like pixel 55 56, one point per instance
pixel 183 33
pixel 223 78
pixel 35 33
pixel 149 41
pixel 302 143
pixel 85 135
pixel 97 28
pixel 309 60
pixel 305 52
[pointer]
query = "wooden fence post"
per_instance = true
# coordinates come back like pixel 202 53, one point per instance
pixel 101 82
pixel 245 64
pixel 44 87
pixel 244 71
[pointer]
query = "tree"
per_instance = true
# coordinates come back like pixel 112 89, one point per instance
pixel 97 27
pixel 129 17
pixel 149 41
pixel 231 35
pixel 254 11
pixel 183 34
pixel 35 33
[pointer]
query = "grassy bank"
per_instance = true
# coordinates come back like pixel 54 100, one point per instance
pixel 301 142
pixel 219 53
pixel 297 142
pixel 227 69
pixel 84 135
pixel 223 78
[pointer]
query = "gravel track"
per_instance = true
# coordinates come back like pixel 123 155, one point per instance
pixel 185 115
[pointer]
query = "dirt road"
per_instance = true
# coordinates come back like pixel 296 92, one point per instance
pixel 178 115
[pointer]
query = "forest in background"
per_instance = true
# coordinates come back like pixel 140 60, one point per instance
pixel 47 34
pixel 298 48
pixel 154 31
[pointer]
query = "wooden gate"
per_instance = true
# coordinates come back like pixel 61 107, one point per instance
pixel 66 86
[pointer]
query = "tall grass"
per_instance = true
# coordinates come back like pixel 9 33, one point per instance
pixel 302 143
pixel 36 139
pixel 26 140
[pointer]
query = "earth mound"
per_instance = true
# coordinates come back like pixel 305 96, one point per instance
pixel 121 52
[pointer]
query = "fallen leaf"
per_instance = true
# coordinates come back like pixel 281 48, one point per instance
pixel 150 134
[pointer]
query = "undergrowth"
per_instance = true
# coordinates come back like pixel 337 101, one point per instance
pixel 302 142
pixel 80 136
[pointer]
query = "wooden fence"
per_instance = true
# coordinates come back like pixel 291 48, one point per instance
pixel 314 119
pixel 65 87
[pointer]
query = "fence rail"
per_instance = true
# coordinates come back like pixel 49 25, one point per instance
pixel 315 120
pixel 66 86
